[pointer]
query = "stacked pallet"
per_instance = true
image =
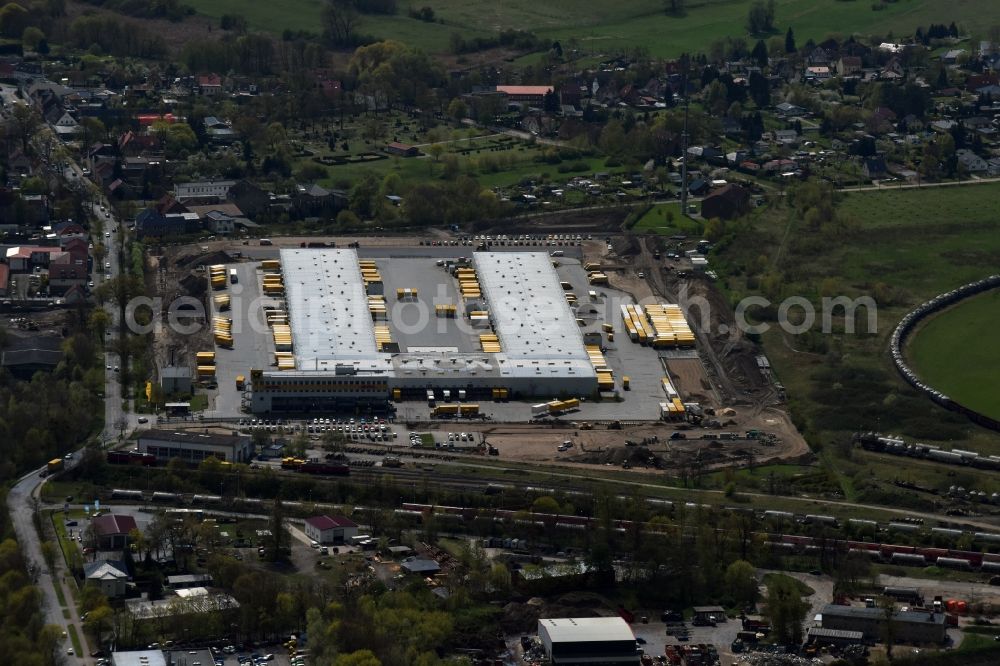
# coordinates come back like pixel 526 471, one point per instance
pixel 383 337
pixel 669 327
pixel 217 275
pixel 282 337
pixel 468 283
pixel 490 343
pixel 221 302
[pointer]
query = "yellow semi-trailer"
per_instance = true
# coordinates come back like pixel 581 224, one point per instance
pixel 205 357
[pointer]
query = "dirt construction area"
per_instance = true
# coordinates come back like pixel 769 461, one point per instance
pixel 649 447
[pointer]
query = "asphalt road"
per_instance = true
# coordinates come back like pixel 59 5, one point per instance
pixel 23 498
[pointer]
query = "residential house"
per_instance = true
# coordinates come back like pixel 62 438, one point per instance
pixel 219 131
pixel 728 202
pixel 401 149
pixel 251 199
pixel 874 168
pixel 220 223
pixel 66 272
pixel 951 57
pixel 848 65
pixel 66 232
pixel 152 223
pixel 66 126
pixel 992 169
pixel 789 110
pixel 893 71
pixel 132 144
pixel 328 529
pixel 817 73
pixel 818 56
pixel 112 530
pixel 976 81
pixel 108 576
pixel 210 85
pixel 534 95
pixel 25 258
pixel 971 162
pixel 313 199
pixel 787 137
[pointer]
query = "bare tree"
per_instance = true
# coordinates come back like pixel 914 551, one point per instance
pixel 340 20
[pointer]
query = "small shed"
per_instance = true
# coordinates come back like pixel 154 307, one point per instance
pixel 175 380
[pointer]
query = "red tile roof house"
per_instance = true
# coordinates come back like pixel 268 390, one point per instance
pixel 324 529
pixel 112 530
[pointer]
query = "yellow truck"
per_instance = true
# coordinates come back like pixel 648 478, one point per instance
pixel 241 382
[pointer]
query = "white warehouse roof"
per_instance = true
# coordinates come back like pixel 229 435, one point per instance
pixel 328 306
pixel 586 629
pixel 528 306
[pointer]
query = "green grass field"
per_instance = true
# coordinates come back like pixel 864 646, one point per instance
pixel 615 26
pixel 954 352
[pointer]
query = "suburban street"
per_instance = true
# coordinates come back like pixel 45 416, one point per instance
pixel 23 499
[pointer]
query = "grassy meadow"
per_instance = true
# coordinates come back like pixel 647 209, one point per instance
pixel 954 352
pixel 615 26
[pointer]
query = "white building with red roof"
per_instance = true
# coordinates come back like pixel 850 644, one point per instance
pixel 327 529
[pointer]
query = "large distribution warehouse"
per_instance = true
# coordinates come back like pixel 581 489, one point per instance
pixel 498 322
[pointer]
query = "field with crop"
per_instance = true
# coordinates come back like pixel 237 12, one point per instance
pixel 614 26
pixel 954 351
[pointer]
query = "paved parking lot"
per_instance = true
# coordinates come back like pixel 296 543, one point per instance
pixel 721 636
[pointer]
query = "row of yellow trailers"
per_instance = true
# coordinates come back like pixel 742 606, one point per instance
pixel 270 266
pixel 370 274
pixel 670 327
pixel 673 408
pixel 222 330
pixel 468 283
pixel 205 364
pixel 217 276
pixel 605 375
pixel 383 337
pixel 282 334
pixel 490 343
pixel 659 325
pixel 377 308
pixel 466 409
pixel 273 284
pixel 406 294
pixel 222 302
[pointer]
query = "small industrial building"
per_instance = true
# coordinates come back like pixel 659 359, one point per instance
pixel 175 380
pixel 194 446
pixel 587 641
pixel 420 565
pixel 710 613
pixel 138 658
pixel 329 529
pixel 112 530
pixel 907 626
pixel 108 576
pixel 185 581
